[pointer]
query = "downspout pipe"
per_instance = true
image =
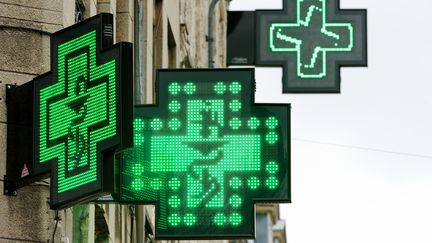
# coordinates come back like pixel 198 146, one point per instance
pixel 138 51
pixel 210 36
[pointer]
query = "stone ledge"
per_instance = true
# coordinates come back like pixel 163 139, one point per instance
pixel 29 25
pixel 52 5
pixel 31 14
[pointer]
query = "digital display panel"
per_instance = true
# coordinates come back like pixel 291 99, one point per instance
pixel 311 40
pixel 206 153
pixel 83 110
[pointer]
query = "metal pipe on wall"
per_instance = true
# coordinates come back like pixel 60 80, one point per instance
pixel 138 51
pixel 210 36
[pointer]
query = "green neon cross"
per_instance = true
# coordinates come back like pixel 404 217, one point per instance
pixel 311 37
pixel 204 158
pixel 77 112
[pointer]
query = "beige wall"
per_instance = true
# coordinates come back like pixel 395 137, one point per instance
pixel 24 53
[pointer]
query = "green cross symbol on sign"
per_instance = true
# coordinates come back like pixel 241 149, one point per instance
pixel 205 154
pixel 82 109
pixel 311 39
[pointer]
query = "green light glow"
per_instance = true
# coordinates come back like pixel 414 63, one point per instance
pixel 235 201
pixel 73 109
pixel 272 167
pixel 156 184
pixel 174 124
pixel 174 184
pixel 156 124
pixel 235 183
pixel 189 219
pixel 137 184
pixel 272 137
pixel 235 123
pixel 174 106
pixel 174 201
pixel 271 122
pixel 272 182
pixel 220 219
pixel 235 219
pixel 137 169
pixel 174 88
pixel 253 123
pixel 206 172
pixel 220 88
pixel 174 219
pixel 235 87
pixel 190 88
pixel 139 125
pixel 235 105
pixel 253 182
pixel 311 48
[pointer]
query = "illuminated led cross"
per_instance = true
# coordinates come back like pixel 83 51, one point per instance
pixel 311 39
pixel 206 155
pixel 79 115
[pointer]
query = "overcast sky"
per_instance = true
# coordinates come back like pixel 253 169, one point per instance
pixel 362 159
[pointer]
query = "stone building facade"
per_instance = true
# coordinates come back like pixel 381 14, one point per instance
pixel 165 33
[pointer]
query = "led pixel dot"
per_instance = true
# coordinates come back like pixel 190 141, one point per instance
pixel 272 182
pixel 235 201
pixel 235 183
pixel 174 88
pixel 189 219
pixel 235 123
pixel 235 87
pixel 253 123
pixel 174 106
pixel 137 169
pixel 156 124
pixel 271 137
pixel 174 201
pixel 137 184
pixel 189 88
pixel 174 219
pixel 208 156
pixel 174 184
pixel 271 122
pixel 235 219
pixel 220 219
pixel 253 182
pixel 156 184
pixel 174 124
pixel 235 105
pixel 219 88
pixel 272 167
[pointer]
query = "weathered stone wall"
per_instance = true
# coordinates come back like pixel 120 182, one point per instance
pixel 25 26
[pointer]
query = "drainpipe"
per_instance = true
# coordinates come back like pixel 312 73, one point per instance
pixel 138 51
pixel 210 36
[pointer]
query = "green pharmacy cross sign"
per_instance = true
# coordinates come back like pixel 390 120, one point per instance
pixel 205 154
pixel 311 39
pixel 83 111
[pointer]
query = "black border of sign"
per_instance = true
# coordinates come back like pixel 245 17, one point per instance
pixel 122 53
pixel 339 64
pixel 287 145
